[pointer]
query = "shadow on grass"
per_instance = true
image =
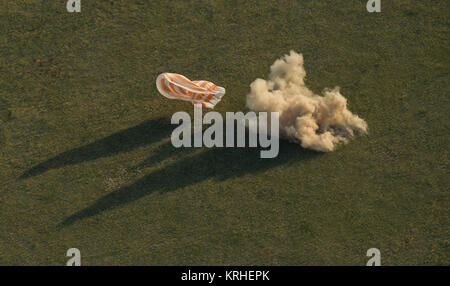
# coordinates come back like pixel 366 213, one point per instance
pixel 215 163
pixel 146 133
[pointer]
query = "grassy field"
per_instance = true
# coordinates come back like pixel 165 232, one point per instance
pixel 86 159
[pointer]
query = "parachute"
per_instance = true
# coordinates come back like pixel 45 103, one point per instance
pixel 177 86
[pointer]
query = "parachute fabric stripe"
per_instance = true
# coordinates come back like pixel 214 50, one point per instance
pixel 177 86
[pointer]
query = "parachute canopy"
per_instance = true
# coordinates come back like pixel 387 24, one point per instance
pixel 176 86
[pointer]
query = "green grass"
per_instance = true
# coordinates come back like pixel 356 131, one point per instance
pixel 86 159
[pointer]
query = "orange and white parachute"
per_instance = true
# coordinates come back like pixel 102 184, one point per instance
pixel 176 86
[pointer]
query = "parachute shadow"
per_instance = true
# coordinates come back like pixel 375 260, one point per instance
pixel 145 133
pixel 217 163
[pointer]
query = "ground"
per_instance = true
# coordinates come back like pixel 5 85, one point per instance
pixel 86 159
